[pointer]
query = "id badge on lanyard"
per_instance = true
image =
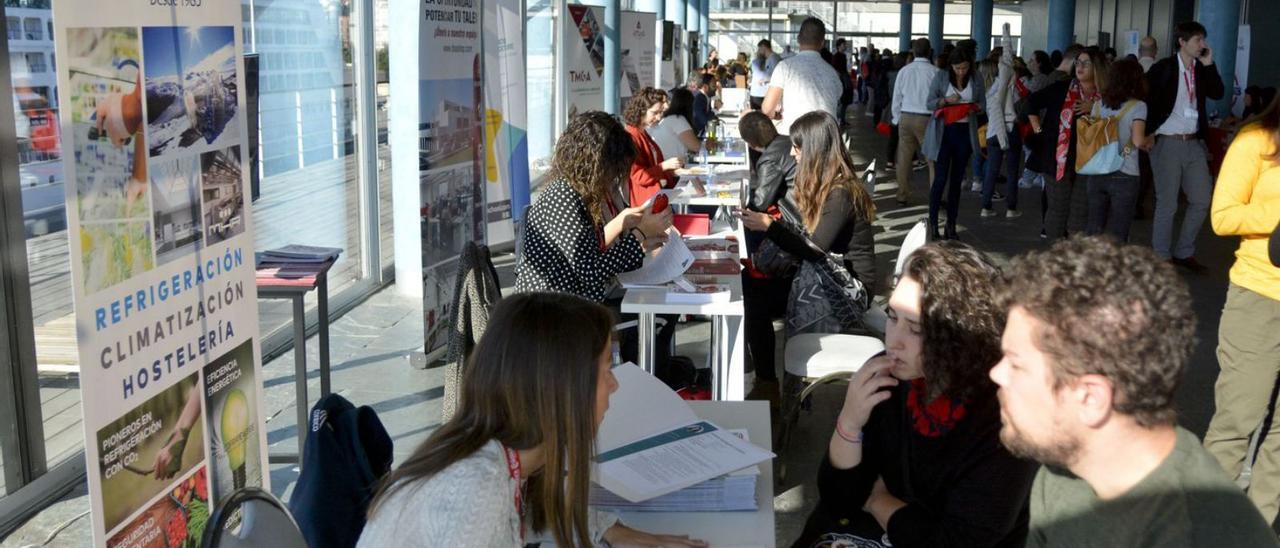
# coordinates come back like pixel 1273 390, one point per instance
pixel 1190 78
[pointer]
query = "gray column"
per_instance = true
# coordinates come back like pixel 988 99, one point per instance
pixel 1221 19
pixel 937 9
pixel 980 25
pixel 904 26
pixel 704 26
pixel 680 15
pixel 612 55
pixel 692 18
pixel 1062 25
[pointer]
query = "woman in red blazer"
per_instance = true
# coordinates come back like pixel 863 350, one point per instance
pixel 649 171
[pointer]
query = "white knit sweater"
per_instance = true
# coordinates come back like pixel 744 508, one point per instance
pixel 469 504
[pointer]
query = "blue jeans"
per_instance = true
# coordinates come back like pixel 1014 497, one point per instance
pixel 979 165
pixel 1112 198
pixel 953 158
pixel 1012 160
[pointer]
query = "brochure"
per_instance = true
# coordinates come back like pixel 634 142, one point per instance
pixel 651 443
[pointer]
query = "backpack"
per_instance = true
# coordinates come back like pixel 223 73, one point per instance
pixel 1098 149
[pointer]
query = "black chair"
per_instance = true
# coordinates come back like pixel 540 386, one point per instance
pixel 264 521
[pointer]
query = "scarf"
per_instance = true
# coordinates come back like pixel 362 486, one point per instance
pixel 932 419
pixel 1075 93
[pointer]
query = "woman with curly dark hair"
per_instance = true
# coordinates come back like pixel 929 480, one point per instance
pixel 650 172
pixel 579 234
pixel 915 458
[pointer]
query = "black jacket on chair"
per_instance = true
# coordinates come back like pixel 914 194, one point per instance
pixel 347 453
pixel 474 295
pixel 1162 81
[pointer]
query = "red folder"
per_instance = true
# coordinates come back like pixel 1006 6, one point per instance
pixel 693 224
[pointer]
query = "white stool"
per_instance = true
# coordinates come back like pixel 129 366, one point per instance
pixel 813 359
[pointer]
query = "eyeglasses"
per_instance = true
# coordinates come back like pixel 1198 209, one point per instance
pixel 1085 63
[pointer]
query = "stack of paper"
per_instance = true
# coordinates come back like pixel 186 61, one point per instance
pixel 735 492
pixel 295 254
pixel 661 265
pixel 696 293
pixel 651 444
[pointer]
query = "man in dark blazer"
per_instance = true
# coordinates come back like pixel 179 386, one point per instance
pixel 1179 86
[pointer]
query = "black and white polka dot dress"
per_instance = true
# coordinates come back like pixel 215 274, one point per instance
pixel 562 252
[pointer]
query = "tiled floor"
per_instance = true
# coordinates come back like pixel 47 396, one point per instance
pixel 372 344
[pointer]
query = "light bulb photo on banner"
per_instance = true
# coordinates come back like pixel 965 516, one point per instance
pixel 232 415
pixel 234 432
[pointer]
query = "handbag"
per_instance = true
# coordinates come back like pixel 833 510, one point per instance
pixel 825 298
pixel 773 261
pixel 1098 150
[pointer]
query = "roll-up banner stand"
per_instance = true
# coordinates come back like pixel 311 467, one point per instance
pixel 639 52
pixel 451 187
pixel 506 149
pixel 583 68
pixel 666 62
pixel 162 262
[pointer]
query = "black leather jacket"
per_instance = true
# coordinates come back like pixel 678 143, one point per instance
pixel 773 178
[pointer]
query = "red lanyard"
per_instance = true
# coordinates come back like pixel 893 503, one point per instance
pixel 1189 77
pixel 513 468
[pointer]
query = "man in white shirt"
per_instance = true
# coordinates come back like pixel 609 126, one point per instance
pixel 911 112
pixel 1179 86
pixel 804 83
pixel 762 71
pixel 1147 51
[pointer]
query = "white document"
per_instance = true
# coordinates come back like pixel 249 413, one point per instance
pixel 650 443
pixel 661 265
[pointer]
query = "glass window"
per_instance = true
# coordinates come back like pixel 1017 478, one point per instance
pixel 540 44
pixel 382 92
pixel 44 220
pixel 35 62
pixel 34 28
pixel 309 191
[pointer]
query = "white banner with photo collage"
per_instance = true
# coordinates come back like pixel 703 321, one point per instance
pixel 161 240
pixel 451 190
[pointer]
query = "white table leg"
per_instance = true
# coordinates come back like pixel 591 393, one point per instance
pixel 645 343
pixel 735 378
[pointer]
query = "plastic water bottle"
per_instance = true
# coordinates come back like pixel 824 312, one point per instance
pixel 702 154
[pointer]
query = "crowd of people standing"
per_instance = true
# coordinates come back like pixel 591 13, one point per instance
pixel 1031 405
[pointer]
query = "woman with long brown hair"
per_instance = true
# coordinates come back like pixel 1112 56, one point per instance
pixel 834 208
pixel 955 88
pixel 514 462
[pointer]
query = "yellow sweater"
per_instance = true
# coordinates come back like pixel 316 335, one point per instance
pixel 1246 203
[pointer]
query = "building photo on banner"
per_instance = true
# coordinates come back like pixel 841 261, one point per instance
pixel 451 188
pixel 162 268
